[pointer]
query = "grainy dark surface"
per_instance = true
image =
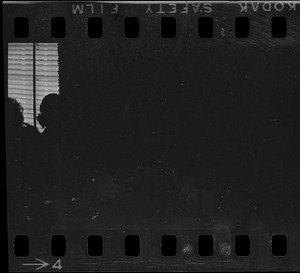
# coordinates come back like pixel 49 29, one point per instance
pixel 182 136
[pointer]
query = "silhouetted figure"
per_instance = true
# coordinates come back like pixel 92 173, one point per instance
pixel 14 120
pixel 18 133
pixel 52 114
pixel 57 155
pixel 53 141
pixel 21 138
pixel 21 146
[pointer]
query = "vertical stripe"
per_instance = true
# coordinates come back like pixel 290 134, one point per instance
pixel 34 87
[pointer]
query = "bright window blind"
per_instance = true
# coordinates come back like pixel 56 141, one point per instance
pixel 21 60
pixel 20 77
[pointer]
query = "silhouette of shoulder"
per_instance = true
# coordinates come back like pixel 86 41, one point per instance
pixel 30 134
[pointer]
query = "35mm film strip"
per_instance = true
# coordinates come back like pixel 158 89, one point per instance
pixel 152 135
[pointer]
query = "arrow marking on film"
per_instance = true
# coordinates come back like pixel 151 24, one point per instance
pixel 42 264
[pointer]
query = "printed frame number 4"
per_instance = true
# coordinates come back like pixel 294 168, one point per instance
pixel 57 265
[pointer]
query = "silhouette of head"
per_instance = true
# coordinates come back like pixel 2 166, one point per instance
pixel 14 115
pixel 51 110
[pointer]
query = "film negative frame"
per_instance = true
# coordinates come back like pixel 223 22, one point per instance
pixel 69 233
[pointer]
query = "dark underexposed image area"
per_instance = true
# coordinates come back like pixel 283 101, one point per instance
pixel 123 133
